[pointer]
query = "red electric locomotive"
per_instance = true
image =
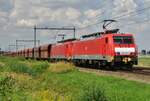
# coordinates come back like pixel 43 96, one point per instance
pixel 107 48
pixel 62 50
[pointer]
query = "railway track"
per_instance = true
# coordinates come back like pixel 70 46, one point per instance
pixel 140 74
pixel 137 70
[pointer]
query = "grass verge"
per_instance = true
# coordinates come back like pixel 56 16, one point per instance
pixel 144 61
pixel 41 81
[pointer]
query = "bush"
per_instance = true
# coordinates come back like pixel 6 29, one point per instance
pixel 19 67
pixel 61 67
pixel 7 85
pixel 31 68
pixel 93 93
pixel 50 95
pixel 39 67
pixel 2 66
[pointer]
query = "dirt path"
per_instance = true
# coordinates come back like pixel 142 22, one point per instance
pixel 138 74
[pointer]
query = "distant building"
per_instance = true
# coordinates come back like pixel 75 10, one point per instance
pixel 143 52
pixel 148 52
pixel 1 53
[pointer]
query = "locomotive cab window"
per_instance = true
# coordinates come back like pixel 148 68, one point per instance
pixel 128 40
pixel 123 40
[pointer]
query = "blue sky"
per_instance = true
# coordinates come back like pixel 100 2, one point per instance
pixel 17 18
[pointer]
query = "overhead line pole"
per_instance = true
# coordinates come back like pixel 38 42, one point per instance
pixel 16 45
pixel 28 41
pixel 51 28
pixel 34 41
pixel 46 28
pixel 74 32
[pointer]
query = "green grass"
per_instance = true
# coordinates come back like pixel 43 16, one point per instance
pixel 144 61
pixel 30 80
pixel 20 65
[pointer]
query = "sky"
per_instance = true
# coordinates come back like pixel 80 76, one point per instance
pixel 18 17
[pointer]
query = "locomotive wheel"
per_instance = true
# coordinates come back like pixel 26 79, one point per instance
pixel 99 66
pixel 112 66
pixel 129 66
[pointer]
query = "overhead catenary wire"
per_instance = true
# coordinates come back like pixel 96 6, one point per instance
pixel 132 12
pixel 100 13
pixel 132 23
pixel 96 17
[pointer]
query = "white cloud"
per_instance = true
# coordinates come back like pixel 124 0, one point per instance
pixel 3 19
pixel 92 13
pixel 27 15
pixel 122 6
pixel 65 1
pixel 27 23
pixel 73 14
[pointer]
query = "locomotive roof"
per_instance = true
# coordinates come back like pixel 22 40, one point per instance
pixel 98 34
pixel 67 40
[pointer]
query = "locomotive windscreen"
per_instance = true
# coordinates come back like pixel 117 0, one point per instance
pixel 123 39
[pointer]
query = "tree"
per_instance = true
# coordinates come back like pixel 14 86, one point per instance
pixel 148 52
pixel 143 52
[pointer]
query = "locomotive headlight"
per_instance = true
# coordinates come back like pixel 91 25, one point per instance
pixel 117 53
pixel 129 59
pixel 132 53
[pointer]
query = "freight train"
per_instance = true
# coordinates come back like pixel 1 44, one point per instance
pixel 101 49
